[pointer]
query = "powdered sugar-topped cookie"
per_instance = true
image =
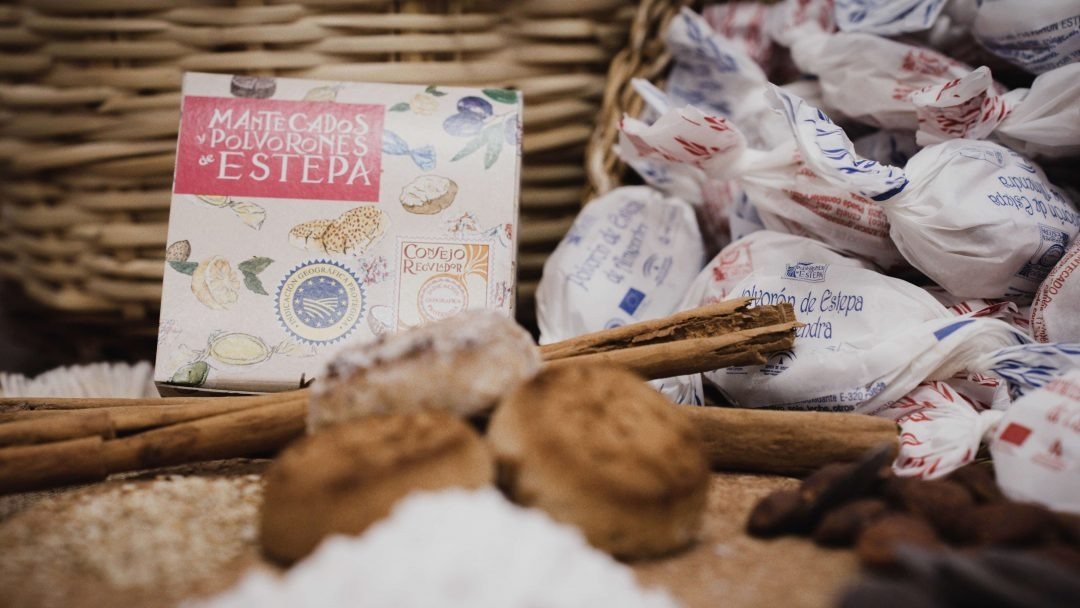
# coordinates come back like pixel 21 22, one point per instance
pixel 463 364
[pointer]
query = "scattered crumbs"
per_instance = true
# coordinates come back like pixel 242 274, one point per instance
pixel 164 535
pixel 723 550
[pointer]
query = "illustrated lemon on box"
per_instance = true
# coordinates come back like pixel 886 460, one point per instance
pixel 215 283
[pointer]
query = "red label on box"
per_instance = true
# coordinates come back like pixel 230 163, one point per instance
pixel 280 149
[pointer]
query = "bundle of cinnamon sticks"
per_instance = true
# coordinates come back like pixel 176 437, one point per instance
pixel 46 442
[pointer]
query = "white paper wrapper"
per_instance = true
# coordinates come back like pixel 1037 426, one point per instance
pixel 715 74
pixel 743 23
pixel 1055 313
pixel 1036 447
pixel 753 253
pixel 1017 316
pixel 887 17
pixel 940 430
pixel 792 20
pixel 683 390
pixel 1037 36
pixel 889 147
pixel 760 251
pixel 869 78
pixel 726 214
pixel 980 220
pixel 809 88
pixel 869 368
pixel 861 330
pixel 787 195
pixel 1043 120
pixel 629 257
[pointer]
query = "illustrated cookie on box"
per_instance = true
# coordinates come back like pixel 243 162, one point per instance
pixel 428 194
pixel 252 87
pixel 352 233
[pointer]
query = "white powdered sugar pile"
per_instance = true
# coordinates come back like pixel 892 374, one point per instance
pixel 452 549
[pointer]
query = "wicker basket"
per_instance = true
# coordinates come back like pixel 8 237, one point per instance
pixel 89 100
pixel 645 56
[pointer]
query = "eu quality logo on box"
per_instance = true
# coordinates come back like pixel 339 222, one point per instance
pixel 307 214
pixel 280 149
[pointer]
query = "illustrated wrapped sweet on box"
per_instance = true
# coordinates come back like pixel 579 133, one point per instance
pixel 305 214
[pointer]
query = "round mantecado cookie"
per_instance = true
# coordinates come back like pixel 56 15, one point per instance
pixel 597 447
pixel 463 364
pixel 342 480
pixel 428 194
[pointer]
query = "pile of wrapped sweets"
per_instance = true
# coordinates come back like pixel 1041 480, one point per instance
pixel 893 191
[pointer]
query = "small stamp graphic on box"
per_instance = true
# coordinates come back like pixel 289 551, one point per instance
pixel 440 279
pixel 320 301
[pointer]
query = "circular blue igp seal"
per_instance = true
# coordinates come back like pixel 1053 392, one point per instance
pixel 320 301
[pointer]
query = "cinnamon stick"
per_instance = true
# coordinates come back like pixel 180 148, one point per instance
pixel 666 359
pixel 32 404
pixel 259 430
pixel 44 425
pixel 703 322
pixel 57 428
pixel 165 410
pixel 35 467
pixel 787 443
pixel 42 405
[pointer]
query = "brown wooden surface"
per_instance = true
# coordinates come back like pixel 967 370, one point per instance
pixel 725 568
pixel 729 569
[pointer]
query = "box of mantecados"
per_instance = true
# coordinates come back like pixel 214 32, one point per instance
pixel 306 214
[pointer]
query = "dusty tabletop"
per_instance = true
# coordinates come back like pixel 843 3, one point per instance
pixel 141 542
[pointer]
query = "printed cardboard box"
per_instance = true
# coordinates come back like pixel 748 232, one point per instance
pixel 307 214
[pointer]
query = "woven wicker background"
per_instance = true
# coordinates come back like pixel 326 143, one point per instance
pixel 89 99
pixel 645 56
